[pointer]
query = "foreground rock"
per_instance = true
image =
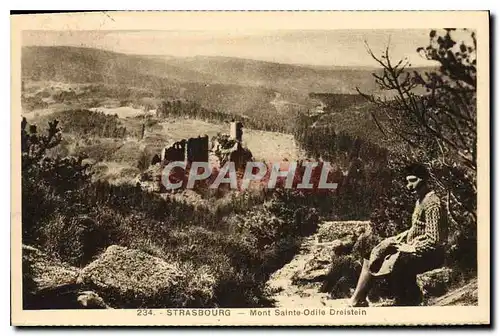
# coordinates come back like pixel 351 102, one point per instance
pixel 129 278
pixel 314 269
pixel 435 282
pixel 45 272
pixel 299 284
pixel 51 284
pixel 330 231
pixel 332 239
pixel 466 295
pixel 91 300
pixel 318 267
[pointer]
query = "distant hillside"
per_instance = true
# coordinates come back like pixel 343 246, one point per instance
pixel 86 65
pixel 242 86
pixel 281 77
pixel 338 101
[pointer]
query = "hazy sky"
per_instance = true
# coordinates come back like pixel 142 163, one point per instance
pixel 332 47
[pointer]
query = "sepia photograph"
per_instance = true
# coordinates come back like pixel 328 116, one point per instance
pixel 308 174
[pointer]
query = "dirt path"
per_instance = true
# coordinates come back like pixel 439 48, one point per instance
pixel 312 262
pixel 289 294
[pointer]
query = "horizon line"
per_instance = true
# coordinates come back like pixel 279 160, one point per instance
pixel 317 66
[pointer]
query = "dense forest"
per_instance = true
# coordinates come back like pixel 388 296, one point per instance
pixel 190 109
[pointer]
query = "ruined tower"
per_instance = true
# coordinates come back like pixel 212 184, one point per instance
pixel 236 131
pixel 197 149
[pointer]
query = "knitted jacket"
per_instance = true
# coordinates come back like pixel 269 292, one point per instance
pixel 428 229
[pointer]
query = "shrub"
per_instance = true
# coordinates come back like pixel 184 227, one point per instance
pixel 144 160
pixel 75 239
pixel 342 277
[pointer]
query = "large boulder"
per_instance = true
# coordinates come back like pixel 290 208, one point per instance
pixel 436 282
pixel 327 265
pixel 466 295
pixel 345 230
pixel 130 278
pixel 317 267
pixel 343 246
pixel 51 284
pixel 45 272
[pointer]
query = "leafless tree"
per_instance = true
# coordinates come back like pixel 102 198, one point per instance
pixel 442 118
pixel 433 113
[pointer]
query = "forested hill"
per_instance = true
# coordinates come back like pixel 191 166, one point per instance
pixel 74 64
pixel 251 88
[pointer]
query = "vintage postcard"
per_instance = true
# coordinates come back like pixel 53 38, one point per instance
pixel 250 169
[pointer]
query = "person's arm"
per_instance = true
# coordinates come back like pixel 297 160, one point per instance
pixel 401 236
pixel 429 240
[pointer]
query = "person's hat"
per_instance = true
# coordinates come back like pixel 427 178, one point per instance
pixel 418 170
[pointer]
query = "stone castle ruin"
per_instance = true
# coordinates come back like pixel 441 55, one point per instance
pixel 215 151
pixel 190 150
pixel 175 152
pixel 197 149
pixel 224 147
pixel 236 131
pixel 230 147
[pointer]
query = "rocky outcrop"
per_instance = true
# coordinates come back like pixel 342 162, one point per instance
pixel 333 241
pixel 51 284
pixel 322 255
pixel 435 282
pixel 129 278
pixel 343 230
pixel 119 278
pixel 465 295
pixel 45 272
pixel 317 267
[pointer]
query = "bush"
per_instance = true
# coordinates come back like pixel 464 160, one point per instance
pixel 76 240
pixel 144 160
pixel 342 277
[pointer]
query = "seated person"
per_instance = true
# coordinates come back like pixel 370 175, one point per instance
pixel 414 251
